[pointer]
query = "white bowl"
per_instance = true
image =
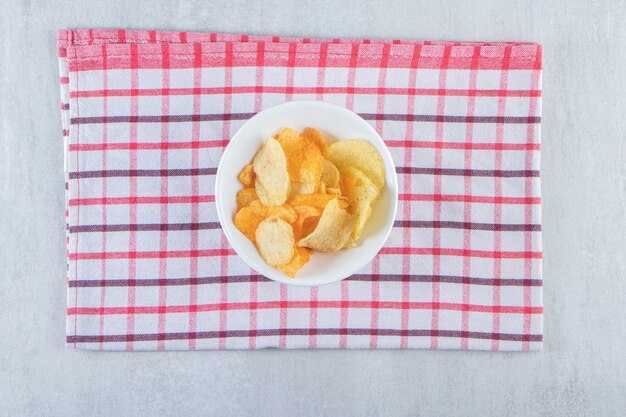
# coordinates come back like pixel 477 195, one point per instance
pixel 336 123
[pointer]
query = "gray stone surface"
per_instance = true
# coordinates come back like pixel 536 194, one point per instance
pixel 581 370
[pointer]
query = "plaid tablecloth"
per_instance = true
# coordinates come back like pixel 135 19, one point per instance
pixel 146 115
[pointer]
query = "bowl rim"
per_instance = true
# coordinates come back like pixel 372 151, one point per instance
pixel 387 158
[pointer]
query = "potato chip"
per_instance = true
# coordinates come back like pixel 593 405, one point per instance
pixel 334 191
pixel 247 176
pixel 307 215
pixel 302 187
pixel 361 155
pixel 245 197
pixel 275 242
pixel 317 200
pixel 272 180
pixel 304 159
pixel 330 174
pixel 318 140
pixel 321 188
pixel 362 193
pixel 248 218
pixel 333 230
pixel 300 257
pixel 350 244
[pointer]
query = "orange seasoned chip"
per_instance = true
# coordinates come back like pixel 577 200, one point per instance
pixel 307 215
pixel 321 188
pixel 300 257
pixel 249 217
pixel 317 200
pixel 247 176
pixel 309 225
pixel 245 197
pixel 304 159
pixel 302 187
pixel 317 138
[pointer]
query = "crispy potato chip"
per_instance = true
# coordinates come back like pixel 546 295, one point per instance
pixel 304 161
pixel 321 188
pixel 248 218
pixel 245 197
pixel 272 180
pixel 334 191
pixel 300 257
pixel 302 187
pixel 359 154
pixel 307 215
pixel 247 176
pixel 362 193
pixel 275 242
pixel 350 244
pixel 309 225
pixel 333 230
pixel 330 174
pixel 317 200
pixel 318 140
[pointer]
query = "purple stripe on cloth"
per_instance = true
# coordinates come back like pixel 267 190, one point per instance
pixel 147 227
pixel 143 173
pixel 212 171
pixel 415 224
pixel 162 119
pixel 469 172
pixel 245 116
pixel 302 332
pixel 449 119
pixel 256 278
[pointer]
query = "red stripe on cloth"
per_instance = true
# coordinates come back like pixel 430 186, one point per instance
pixel 437 251
pixel 467 208
pixel 321 72
pixel 441 100
pixel 264 305
pixel 228 102
pixel 462 145
pixel 320 90
pixel 88 58
pixel 132 244
pixel 254 296
pixel 406 206
pixel 470 199
pixel 103 248
pixel 195 191
pixel 497 216
pixel 77 162
pixel 163 234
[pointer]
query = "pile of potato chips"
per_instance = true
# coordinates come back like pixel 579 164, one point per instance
pixel 301 194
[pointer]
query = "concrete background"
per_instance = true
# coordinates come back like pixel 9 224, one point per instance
pixel 583 366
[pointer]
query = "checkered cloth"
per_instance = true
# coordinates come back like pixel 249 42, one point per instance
pixel 146 117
